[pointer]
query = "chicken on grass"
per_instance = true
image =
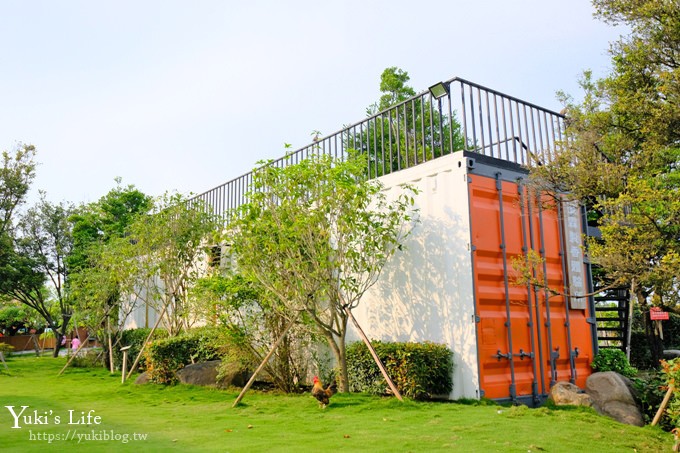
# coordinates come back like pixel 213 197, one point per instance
pixel 323 395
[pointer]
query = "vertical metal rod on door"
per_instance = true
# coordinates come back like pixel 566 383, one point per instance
pixel 529 201
pixel 525 250
pixel 508 323
pixel 554 354
pixel 563 256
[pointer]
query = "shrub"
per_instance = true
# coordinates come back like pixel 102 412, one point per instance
pixel 6 349
pixel 671 372
pixel 166 356
pixel 613 360
pixel 135 339
pixel 649 391
pixel 89 359
pixel 419 370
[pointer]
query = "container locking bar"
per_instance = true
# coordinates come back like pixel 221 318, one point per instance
pixel 523 354
pixel 554 355
pixel 572 359
pixel 500 356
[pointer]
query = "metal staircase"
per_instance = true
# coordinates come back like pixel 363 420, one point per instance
pixel 612 318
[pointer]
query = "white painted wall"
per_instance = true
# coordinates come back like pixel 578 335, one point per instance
pixel 425 292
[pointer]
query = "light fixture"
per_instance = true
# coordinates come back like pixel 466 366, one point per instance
pixel 439 90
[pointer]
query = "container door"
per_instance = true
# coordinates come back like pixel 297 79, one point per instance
pixel 526 331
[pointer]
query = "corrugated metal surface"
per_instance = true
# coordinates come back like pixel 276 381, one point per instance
pixel 527 336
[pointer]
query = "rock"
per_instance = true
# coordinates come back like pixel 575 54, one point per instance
pixel 566 393
pixel 205 373
pixel 671 353
pixel 142 378
pixel 233 375
pixel 613 396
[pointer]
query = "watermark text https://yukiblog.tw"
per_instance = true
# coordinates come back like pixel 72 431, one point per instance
pixel 78 422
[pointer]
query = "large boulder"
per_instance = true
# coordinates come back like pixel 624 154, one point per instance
pixel 205 373
pixel 613 395
pixel 566 393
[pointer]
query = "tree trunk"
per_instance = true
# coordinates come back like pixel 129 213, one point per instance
pixel 57 342
pixel 342 362
pixel 343 385
pixel 653 341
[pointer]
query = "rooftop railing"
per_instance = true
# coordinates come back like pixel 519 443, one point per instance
pixel 466 116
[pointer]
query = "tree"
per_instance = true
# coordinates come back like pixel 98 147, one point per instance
pixel 169 249
pixel 108 218
pixel 316 235
pixel 100 281
pixel 622 154
pixel 32 268
pixel 16 174
pixel 405 133
pixel 250 323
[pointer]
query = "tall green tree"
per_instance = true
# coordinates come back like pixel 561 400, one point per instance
pixel 171 248
pixel 622 154
pixel 108 218
pixel 16 174
pixel 33 269
pixel 316 235
pixel 405 133
pixel 100 285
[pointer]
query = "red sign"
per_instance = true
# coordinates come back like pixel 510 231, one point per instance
pixel 655 314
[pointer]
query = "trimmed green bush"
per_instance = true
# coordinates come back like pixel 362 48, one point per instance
pixel 613 360
pixel 166 356
pixel 6 349
pixel 135 339
pixel 419 370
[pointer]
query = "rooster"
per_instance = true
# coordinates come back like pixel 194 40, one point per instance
pixel 323 395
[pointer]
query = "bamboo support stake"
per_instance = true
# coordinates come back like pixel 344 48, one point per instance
pixel 664 403
pixel 124 366
pixel 264 362
pixel 383 370
pixel 108 327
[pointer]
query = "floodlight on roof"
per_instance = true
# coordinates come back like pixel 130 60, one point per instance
pixel 439 90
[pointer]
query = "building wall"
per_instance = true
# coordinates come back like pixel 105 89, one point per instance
pixel 425 292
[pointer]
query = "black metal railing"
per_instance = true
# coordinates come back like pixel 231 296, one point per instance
pixel 468 117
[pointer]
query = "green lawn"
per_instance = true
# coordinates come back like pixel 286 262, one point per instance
pixel 186 418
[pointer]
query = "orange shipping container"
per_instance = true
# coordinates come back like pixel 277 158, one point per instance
pixel 458 282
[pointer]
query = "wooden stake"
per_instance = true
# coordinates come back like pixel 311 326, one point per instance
pixel 664 403
pixel 2 357
pixel 264 362
pixel 383 370
pixel 125 354
pixel 108 327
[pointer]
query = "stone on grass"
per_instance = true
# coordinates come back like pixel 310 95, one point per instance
pixel 613 395
pixel 205 373
pixel 142 378
pixel 568 394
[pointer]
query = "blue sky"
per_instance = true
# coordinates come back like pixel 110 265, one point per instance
pixel 185 95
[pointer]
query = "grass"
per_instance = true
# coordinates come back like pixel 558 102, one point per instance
pixel 187 418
